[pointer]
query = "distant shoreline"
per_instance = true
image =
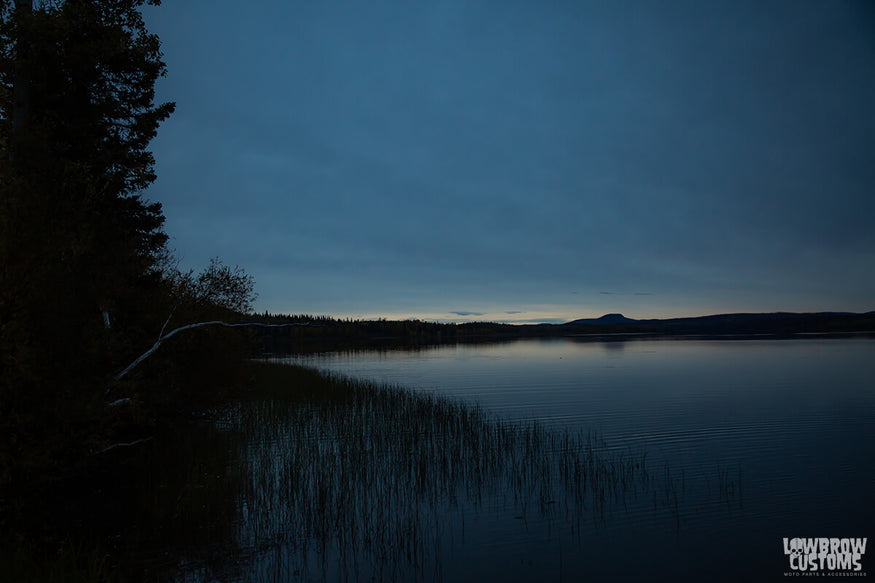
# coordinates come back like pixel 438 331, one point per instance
pixel 331 334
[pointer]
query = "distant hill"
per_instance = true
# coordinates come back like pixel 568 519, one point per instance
pixel 606 319
pixel 781 323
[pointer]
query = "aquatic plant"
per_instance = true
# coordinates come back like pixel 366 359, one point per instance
pixel 307 476
pixel 366 476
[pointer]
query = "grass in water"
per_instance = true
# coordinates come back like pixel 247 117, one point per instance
pixel 365 473
pixel 308 476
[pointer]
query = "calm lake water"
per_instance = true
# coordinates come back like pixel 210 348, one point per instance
pixel 535 460
pixel 746 442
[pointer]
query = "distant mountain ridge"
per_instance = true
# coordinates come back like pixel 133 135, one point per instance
pixel 738 323
pixel 606 319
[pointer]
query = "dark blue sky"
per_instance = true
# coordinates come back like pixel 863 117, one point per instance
pixel 524 160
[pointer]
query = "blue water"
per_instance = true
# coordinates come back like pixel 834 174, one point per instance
pixel 760 440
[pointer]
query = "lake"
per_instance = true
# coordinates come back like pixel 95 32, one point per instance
pixel 752 440
pixel 531 460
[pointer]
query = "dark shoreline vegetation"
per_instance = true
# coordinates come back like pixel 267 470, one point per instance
pixel 87 280
pixel 303 472
pixel 326 334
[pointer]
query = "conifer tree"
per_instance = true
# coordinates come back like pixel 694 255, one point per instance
pixel 80 248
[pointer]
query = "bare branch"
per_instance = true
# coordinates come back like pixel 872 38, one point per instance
pixel 175 331
pixel 164 327
pixel 124 444
pixel 118 402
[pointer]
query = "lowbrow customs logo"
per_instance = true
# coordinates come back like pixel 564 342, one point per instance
pixel 825 556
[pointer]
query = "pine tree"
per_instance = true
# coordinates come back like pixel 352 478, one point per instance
pixel 80 247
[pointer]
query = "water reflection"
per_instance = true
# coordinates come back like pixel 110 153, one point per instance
pixel 363 482
pixel 706 454
pixel 790 423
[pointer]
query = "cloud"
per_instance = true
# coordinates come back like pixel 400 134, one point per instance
pixel 446 173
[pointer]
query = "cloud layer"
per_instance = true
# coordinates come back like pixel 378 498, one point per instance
pixel 521 159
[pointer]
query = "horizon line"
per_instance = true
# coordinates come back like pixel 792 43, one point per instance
pixel 553 321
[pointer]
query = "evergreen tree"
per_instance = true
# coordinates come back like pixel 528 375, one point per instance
pixel 80 248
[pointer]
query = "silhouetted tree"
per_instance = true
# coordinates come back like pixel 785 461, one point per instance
pixel 79 247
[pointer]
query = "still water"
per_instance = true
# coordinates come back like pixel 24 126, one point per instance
pixel 536 460
pixel 745 441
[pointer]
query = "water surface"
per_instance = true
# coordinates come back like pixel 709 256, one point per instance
pixel 533 460
pixel 758 440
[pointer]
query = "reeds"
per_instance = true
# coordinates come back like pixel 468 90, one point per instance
pixel 348 472
pixel 314 477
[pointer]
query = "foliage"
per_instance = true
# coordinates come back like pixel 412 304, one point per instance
pixel 77 240
pixel 198 367
pixel 217 286
pixel 84 279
